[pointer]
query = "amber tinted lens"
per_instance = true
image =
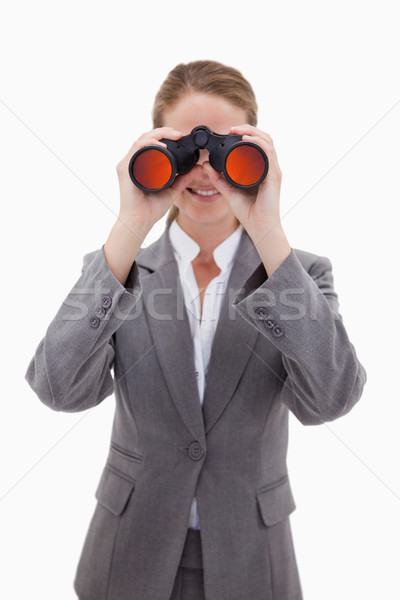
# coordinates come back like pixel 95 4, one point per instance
pixel 245 165
pixel 152 169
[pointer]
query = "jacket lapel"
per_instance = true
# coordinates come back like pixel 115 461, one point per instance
pixel 234 339
pixel 233 342
pixel 170 330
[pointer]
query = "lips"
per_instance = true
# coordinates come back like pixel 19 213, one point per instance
pixel 204 194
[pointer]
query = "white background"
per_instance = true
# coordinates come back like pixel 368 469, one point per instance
pixel 77 85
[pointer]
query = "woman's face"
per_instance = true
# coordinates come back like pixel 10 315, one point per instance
pixel 200 202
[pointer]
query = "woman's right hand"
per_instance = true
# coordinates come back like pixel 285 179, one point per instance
pixel 138 208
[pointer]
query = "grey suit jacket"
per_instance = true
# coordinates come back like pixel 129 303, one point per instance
pixel 280 344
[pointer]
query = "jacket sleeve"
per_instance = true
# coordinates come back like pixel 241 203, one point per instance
pixel 297 310
pixel 71 368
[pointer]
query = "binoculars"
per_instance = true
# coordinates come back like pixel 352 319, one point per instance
pixel 243 164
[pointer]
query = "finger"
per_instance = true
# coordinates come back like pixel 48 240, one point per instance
pixel 251 130
pixel 163 132
pixel 152 138
pixel 148 141
pixel 260 141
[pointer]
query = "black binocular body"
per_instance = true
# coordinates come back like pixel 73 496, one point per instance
pixel 243 164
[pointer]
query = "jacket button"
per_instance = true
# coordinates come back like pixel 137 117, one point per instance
pixel 106 301
pixel 196 452
pixel 277 331
pixel 94 322
pixel 100 312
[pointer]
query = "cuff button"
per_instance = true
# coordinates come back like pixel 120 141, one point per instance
pixel 100 312
pixel 277 331
pixel 106 301
pixel 270 323
pixel 261 312
pixel 94 322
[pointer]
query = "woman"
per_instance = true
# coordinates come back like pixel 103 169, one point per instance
pixel 213 332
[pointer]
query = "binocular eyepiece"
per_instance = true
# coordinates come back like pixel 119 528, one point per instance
pixel 243 164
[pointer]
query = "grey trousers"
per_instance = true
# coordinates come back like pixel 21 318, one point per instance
pixel 189 583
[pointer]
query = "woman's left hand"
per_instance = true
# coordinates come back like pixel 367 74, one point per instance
pixel 257 209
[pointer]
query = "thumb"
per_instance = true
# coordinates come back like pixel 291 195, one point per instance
pixel 183 181
pixel 218 180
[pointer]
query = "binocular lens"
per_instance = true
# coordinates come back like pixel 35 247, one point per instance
pixel 245 165
pixel 152 169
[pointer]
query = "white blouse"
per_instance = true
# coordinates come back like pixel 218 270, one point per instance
pixel 202 324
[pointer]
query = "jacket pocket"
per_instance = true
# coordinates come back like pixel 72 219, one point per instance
pixel 114 490
pixel 275 501
pixel 118 479
pixel 126 454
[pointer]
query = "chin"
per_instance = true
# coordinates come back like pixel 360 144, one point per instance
pixel 205 212
pixel 205 216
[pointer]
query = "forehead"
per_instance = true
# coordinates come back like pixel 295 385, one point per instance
pixel 195 109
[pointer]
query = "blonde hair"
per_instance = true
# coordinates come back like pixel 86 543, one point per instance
pixel 203 76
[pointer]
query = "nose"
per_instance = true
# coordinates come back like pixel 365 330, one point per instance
pixel 203 156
